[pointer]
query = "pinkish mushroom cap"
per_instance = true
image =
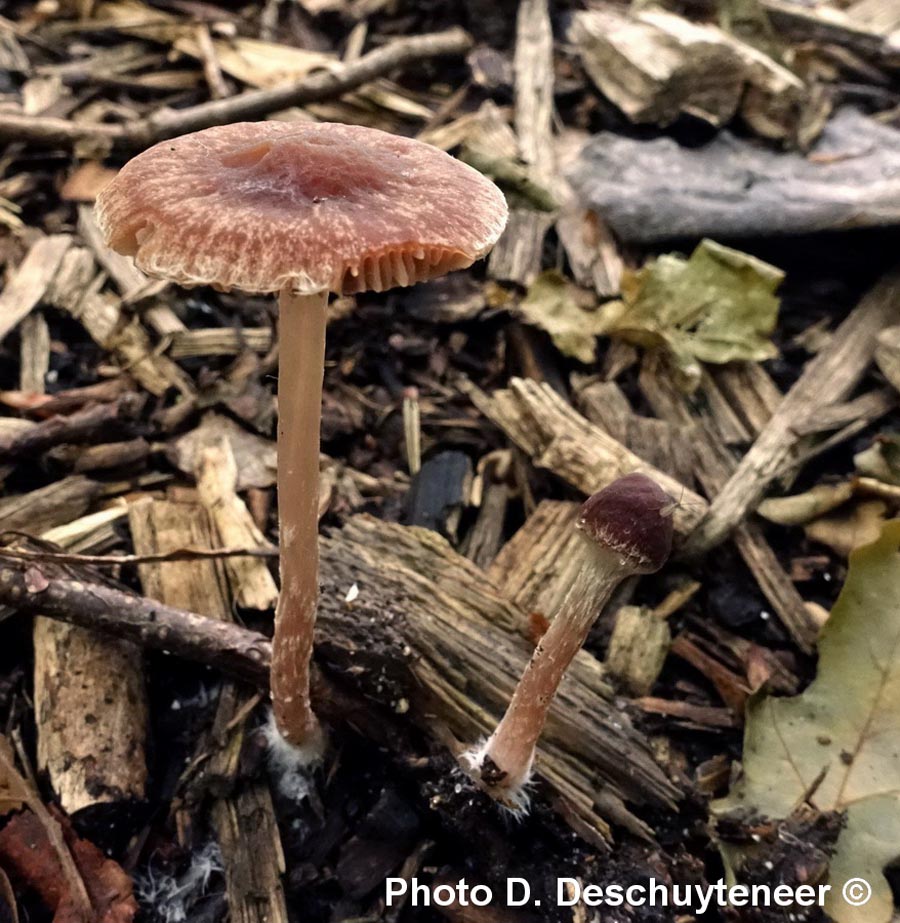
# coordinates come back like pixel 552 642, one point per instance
pixel 632 517
pixel 263 206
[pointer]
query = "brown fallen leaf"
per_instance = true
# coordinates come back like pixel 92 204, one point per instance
pixel 849 528
pixel 27 853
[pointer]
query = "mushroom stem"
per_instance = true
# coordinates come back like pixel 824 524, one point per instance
pixel 301 360
pixel 627 529
pixel 503 763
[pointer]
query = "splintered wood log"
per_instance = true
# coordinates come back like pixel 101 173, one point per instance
pixel 242 812
pixel 29 282
pixel 560 439
pixel 464 648
pixel 829 378
pixel 427 636
pixel 251 581
pixel 99 757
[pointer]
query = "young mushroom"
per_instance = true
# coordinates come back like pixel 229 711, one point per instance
pixel 302 210
pixel 627 529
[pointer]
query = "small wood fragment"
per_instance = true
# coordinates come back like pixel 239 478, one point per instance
pixel 34 353
pixel 29 282
pixel 638 649
pixel 251 582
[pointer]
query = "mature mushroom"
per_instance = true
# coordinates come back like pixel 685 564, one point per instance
pixel 302 210
pixel 627 529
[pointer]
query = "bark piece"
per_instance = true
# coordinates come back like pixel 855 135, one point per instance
pixel 99 758
pixel 650 191
pixel 560 439
pixel 655 66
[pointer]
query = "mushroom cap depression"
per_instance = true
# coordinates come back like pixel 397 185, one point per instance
pixel 632 517
pixel 262 206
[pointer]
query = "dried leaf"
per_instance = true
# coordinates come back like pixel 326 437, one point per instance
pixel 803 508
pixel 718 306
pixel 881 460
pixel 562 309
pixel 850 528
pixel 842 729
pixel 28 853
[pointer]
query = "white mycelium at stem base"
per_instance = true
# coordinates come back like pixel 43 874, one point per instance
pixel 627 527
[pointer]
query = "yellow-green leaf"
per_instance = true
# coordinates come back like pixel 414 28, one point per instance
pixel 718 306
pixel 843 730
pixel 565 311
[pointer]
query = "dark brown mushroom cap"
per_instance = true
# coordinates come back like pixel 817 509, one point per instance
pixel 632 517
pixel 261 206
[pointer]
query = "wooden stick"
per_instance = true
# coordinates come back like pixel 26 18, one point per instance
pixel 254 104
pixel 82 426
pixel 827 379
pixel 61 595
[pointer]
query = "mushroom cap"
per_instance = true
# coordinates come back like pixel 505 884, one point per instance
pixel 261 206
pixel 632 517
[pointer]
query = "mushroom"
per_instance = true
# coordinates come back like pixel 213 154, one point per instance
pixel 302 210
pixel 627 529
